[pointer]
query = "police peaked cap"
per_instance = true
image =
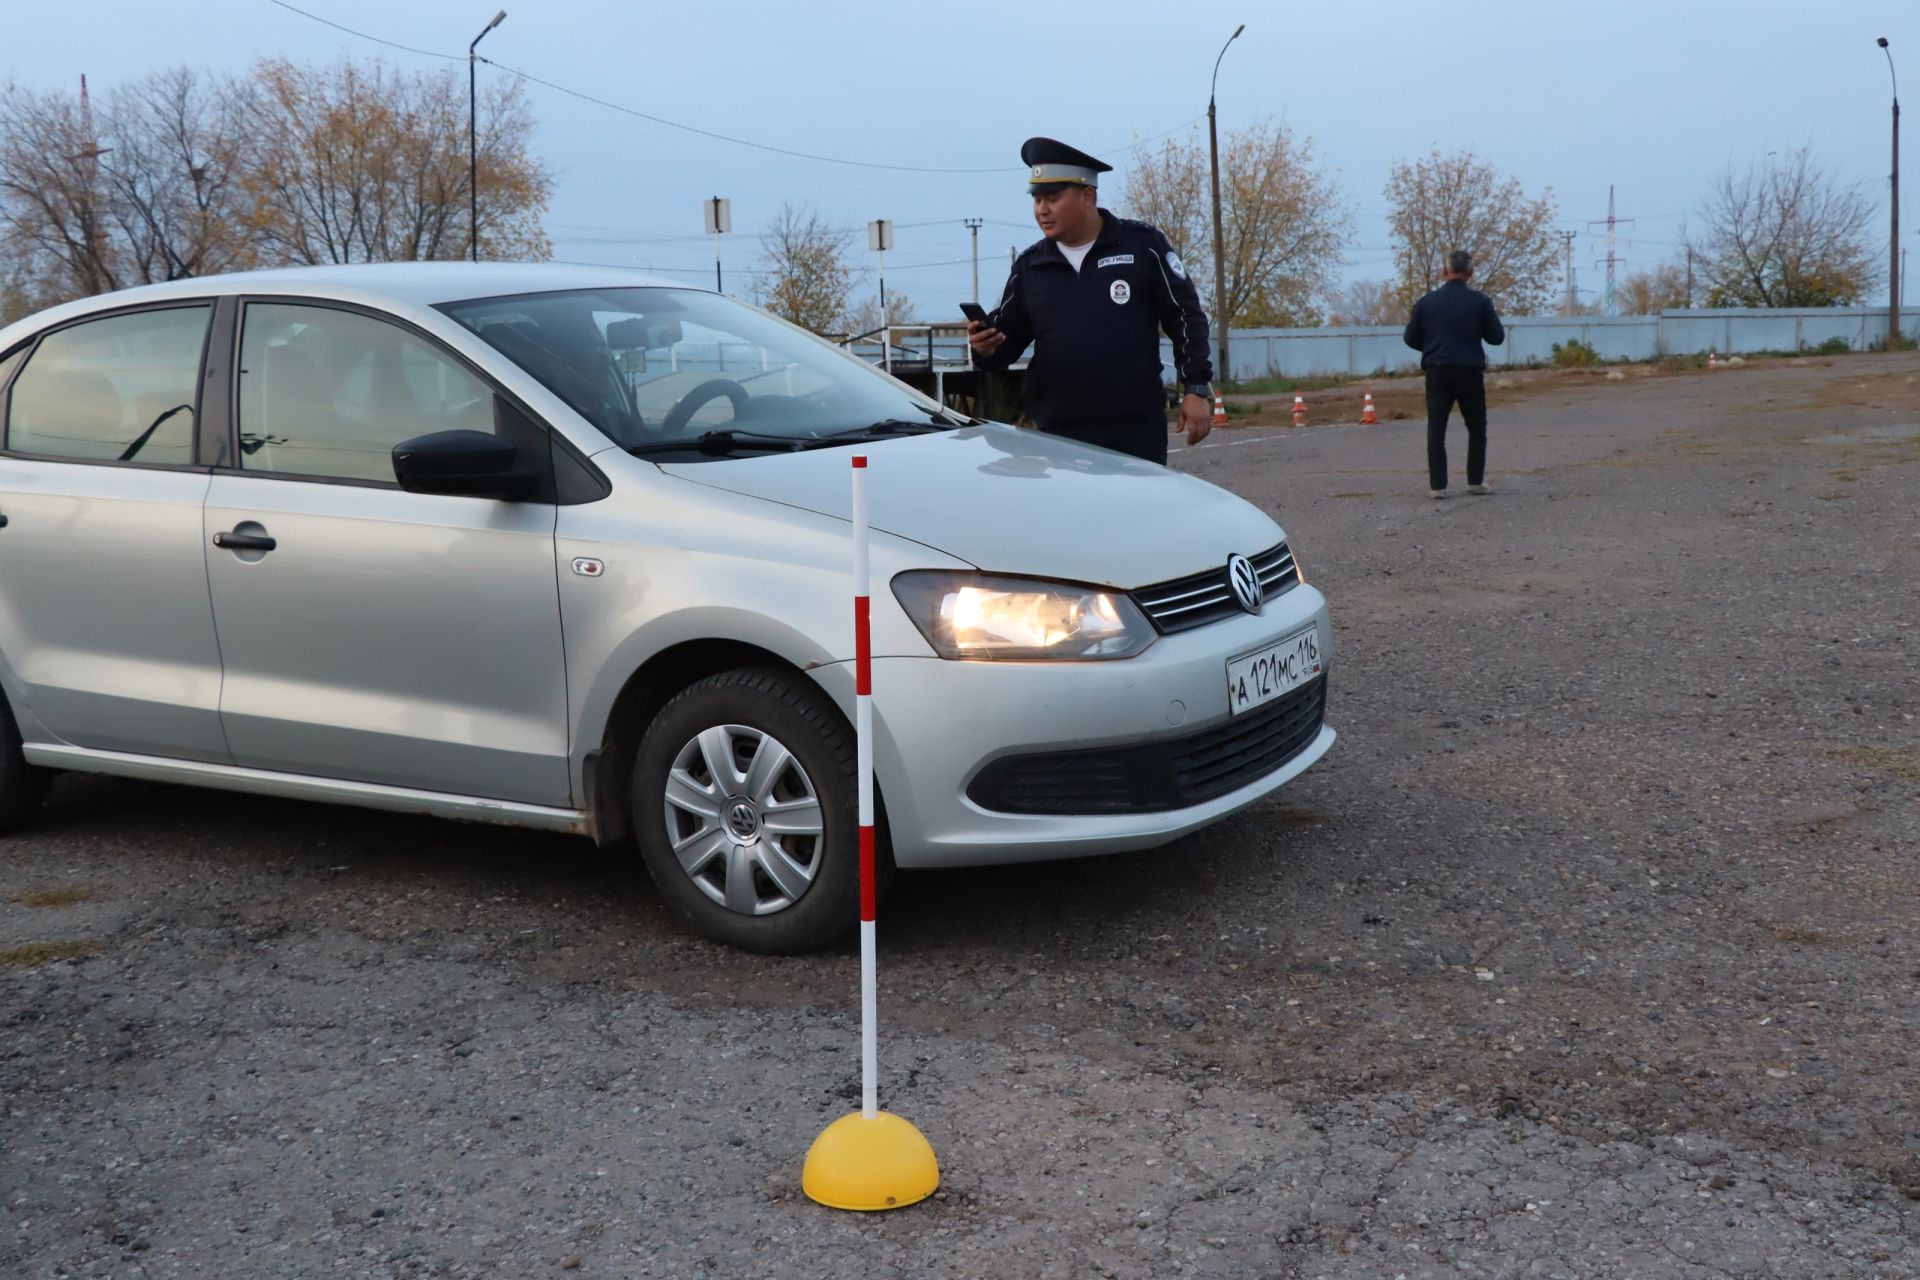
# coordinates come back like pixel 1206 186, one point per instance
pixel 1054 166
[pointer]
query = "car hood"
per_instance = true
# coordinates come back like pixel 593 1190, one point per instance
pixel 1012 501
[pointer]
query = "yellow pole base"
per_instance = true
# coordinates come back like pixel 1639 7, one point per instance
pixel 869 1164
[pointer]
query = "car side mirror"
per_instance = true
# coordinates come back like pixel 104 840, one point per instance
pixel 464 464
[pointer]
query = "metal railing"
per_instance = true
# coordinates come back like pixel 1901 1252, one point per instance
pixel 940 346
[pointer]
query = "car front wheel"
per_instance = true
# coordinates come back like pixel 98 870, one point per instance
pixel 22 787
pixel 746 811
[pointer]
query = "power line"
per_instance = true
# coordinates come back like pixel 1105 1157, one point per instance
pixel 695 129
pixel 754 235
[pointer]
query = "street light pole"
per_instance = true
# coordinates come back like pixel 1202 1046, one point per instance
pixel 1220 316
pixel 1893 266
pixel 473 140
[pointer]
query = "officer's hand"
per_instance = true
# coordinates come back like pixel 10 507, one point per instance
pixel 1196 418
pixel 984 338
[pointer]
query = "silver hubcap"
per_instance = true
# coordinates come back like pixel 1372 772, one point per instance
pixel 744 820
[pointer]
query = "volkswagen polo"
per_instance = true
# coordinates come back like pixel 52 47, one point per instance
pixel 568 548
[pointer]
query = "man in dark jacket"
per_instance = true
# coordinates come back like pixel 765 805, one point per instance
pixel 1447 328
pixel 1092 298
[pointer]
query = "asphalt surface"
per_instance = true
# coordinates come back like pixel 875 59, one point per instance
pixel 1589 952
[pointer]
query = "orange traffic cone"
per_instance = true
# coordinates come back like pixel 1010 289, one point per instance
pixel 1367 418
pixel 1219 410
pixel 1299 410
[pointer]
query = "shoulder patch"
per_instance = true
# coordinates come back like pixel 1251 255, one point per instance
pixel 1176 266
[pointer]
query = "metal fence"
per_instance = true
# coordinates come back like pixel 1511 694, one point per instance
pixel 1301 353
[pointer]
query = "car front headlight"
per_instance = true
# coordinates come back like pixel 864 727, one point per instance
pixel 972 615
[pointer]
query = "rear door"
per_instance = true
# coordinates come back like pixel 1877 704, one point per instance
pixel 106 633
pixel 368 633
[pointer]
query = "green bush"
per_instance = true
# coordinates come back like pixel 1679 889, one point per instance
pixel 1834 346
pixel 1574 352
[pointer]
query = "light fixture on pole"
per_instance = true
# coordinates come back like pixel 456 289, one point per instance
pixel 719 222
pixel 1893 266
pixel 880 239
pixel 473 140
pixel 1220 316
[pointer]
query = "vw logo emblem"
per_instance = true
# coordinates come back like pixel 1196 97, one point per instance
pixel 1245 582
pixel 742 821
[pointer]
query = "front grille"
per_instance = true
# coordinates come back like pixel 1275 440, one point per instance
pixel 1186 603
pixel 1157 776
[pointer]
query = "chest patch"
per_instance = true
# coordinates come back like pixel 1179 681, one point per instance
pixel 1117 260
pixel 1120 291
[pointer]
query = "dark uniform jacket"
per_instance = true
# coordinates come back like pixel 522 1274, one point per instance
pixel 1096 332
pixel 1449 324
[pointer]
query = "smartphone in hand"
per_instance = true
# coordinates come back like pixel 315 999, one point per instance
pixel 974 311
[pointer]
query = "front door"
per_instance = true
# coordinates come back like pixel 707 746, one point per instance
pixel 105 627
pixel 368 633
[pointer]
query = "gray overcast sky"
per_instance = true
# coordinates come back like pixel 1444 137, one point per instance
pixel 1653 97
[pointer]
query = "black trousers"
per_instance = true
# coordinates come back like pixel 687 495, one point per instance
pixel 1143 437
pixel 1447 386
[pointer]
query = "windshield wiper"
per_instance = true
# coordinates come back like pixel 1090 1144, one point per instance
pixel 720 444
pixel 876 431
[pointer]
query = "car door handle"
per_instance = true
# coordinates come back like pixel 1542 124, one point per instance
pixel 244 541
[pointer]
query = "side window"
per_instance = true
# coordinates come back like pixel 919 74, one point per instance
pixel 121 389
pixel 329 393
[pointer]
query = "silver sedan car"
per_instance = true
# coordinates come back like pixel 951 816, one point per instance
pixel 568 548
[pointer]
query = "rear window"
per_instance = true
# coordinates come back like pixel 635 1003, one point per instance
pixel 119 389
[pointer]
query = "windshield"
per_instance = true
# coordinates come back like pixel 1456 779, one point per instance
pixel 653 368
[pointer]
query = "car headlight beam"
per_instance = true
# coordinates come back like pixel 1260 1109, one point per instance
pixel 986 616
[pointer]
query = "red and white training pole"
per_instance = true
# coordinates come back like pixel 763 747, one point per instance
pixel 863 763
pixel 868 1160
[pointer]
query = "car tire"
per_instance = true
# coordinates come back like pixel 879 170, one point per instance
pixel 767 855
pixel 22 786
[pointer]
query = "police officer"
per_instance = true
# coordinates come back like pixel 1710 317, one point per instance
pixel 1092 298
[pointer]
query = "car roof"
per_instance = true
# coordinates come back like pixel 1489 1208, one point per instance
pixel 416 283
pixel 400 287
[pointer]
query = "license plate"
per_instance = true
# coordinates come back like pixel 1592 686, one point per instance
pixel 1271 673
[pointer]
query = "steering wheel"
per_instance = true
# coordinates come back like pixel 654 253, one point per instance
pixel 695 400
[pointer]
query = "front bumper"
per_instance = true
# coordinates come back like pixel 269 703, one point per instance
pixel 938 724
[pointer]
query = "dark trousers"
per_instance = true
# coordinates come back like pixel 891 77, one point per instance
pixel 1144 437
pixel 1446 387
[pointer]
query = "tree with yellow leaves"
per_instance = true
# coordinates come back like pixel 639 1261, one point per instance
pixel 186 174
pixel 1283 221
pixel 1456 200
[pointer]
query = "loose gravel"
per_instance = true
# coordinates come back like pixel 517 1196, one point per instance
pixel 1590 951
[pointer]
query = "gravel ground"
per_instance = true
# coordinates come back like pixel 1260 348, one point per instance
pixel 1589 952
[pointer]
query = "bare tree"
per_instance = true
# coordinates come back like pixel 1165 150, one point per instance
pixel 18 294
pixel 1648 293
pixel 1784 234
pixel 175 152
pixel 1366 302
pixel 359 163
pixel 185 174
pixel 1283 220
pixel 54 214
pixel 865 315
pixel 1456 200
pixel 803 274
